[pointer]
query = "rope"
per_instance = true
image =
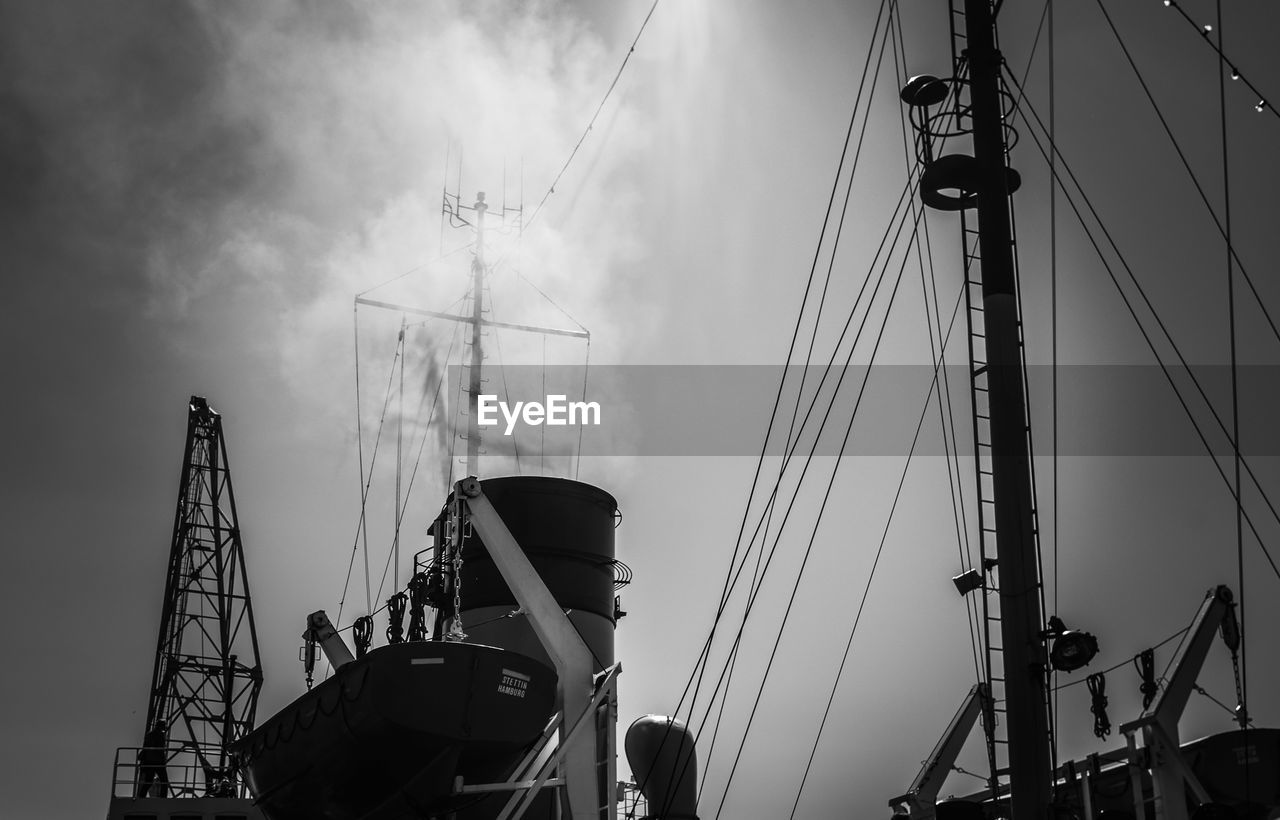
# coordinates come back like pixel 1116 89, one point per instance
pixel 736 575
pixel 1098 705
pixel 792 443
pixel 361 526
pixel 552 302
pixel 1151 345
pixel 817 519
pixel 1145 662
pixel 1053 329
pixel 700 664
pixel 592 123
pixel 722 683
pixel 399 517
pixel 364 532
pixel 1237 660
pixel 933 390
pixel 1235 715
pixel 395 626
pixel 963 546
pixel 417 607
pixel 362 632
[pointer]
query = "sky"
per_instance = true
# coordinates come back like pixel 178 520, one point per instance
pixel 194 194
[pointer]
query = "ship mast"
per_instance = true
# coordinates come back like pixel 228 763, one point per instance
pixel 1021 619
pixel 1017 680
pixel 458 218
pixel 477 351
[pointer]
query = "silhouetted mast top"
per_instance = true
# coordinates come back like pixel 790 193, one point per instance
pixel 477 351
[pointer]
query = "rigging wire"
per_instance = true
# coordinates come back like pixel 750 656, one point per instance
pixel 1137 285
pixel 1053 330
pixel 791 443
pixel 1195 180
pixel 699 668
pixel 592 122
pixel 586 368
pixel 399 517
pixel 418 269
pixel 1181 633
pixel 962 541
pixel 361 524
pixel 362 532
pixel 364 493
pixel 1204 31
pixel 413 474
pixel 818 518
pixel 586 364
pixel 421 444
pixel 1147 338
pixel 933 390
pixel 844 210
pixel 1235 370
pixel 502 371
pixel 735 574
pixel 550 301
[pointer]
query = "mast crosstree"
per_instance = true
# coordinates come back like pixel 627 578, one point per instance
pixel 476 319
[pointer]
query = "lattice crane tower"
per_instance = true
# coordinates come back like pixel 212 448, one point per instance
pixel 207 675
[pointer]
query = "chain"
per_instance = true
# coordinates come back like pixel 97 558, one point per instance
pixel 459 541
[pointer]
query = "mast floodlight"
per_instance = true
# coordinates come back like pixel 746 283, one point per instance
pixel 924 90
pixel 967 582
pixel 1072 648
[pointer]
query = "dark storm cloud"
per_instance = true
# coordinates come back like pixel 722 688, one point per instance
pixel 112 141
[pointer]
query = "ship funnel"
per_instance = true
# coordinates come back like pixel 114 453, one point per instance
pixel 664 762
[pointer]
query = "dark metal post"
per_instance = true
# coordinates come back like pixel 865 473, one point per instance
pixel 1030 769
pixel 477 352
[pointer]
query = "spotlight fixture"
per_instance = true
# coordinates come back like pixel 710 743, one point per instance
pixel 972 579
pixel 1071 648
pixel 968 581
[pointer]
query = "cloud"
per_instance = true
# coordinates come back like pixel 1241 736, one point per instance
pixel 356 109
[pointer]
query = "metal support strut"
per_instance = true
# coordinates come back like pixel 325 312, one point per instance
pixel 579 694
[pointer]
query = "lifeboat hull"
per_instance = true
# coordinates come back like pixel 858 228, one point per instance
pixel 386 735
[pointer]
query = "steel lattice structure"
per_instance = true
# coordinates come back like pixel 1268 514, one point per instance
pixel 207 675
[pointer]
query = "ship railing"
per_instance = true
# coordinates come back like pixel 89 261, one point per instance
pixel 136 772
pixel 632 804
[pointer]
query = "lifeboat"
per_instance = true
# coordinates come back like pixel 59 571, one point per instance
pixel 387 734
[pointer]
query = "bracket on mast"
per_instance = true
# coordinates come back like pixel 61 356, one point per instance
pixel 919 801
pixel 1171 775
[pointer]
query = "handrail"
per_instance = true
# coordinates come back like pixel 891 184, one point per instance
pixel 181 775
